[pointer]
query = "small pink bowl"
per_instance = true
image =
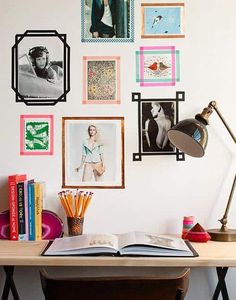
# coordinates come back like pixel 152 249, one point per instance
pixel 52 225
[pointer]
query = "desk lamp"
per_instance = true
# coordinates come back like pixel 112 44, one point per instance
pixel 190 136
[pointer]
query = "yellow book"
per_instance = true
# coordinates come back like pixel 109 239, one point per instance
pixel 38 200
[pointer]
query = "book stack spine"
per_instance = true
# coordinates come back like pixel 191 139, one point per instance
pixel 26 210
pixel 38 197
pixel 31 211
pixel 21 211
pixel 13 204
pixel 25 206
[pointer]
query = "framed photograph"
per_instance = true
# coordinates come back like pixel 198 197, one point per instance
pixel 101 80
pixel 93 152
pixel 36 134
pixel 107 20
pixel 157 66
pixel 162 20
pixel 155 118
pixel 40 67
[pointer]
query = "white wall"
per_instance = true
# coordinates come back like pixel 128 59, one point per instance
pixel 159 190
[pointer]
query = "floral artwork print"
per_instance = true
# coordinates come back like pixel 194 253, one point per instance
pixel 36 134
pixel 101 80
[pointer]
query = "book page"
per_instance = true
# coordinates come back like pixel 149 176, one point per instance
pixel 126 239
pixel 84 241
pixel 151 239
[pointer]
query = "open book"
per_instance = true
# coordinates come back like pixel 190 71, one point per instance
pixel 131 243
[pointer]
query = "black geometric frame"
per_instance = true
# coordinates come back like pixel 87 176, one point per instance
pixel 66 64
pixel 136 97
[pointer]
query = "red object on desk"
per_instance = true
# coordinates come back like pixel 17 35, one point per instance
pixel 197 234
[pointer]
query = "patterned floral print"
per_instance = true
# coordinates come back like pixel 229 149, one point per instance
pixel 101 80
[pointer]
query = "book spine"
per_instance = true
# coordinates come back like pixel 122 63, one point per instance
pixel 21 211
pixel 26 210
pixel 13 205
pixel 31 212
pixel 13 210
pixel 38 197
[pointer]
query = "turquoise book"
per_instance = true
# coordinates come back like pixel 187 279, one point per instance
pixel 31 211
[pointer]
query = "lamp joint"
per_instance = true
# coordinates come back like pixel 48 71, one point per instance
pixel 223 221
pixel 212 105
pixel 204 115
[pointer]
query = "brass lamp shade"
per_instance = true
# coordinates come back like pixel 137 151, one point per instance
pixel 189 136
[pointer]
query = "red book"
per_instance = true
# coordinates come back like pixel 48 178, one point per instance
pixel 13 204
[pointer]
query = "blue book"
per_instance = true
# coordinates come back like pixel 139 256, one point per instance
pixel 31 211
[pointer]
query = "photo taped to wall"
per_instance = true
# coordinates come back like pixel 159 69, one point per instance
pixel 93 152
pixel 162 20
pixel 107 20
pixel 40 68
pixel 101 80
pixel 157 118
pixel 36 134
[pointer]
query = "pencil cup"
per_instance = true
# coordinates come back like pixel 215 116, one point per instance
pixel 75 226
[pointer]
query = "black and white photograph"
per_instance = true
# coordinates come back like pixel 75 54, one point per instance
pixel 40 69
pixel 157 119
pixel 107 20
pixel 93 152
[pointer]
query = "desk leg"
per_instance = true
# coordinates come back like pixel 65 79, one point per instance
pixel 9 284
pixel 221 285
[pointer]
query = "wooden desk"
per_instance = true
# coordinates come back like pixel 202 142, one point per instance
pixel 211 254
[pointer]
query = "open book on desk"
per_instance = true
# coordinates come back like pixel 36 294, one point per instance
pixel 130 244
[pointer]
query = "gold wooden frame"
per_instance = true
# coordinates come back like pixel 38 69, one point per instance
pixel 119 183
pixel 143 35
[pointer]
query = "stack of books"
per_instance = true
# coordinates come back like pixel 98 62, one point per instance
pixel 25 205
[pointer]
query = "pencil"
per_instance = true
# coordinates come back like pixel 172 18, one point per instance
pixel 83 205
pixel 86 203
pixel 75 205
pixel 79 204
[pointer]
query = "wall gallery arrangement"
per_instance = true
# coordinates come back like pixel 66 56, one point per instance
pixel 93 147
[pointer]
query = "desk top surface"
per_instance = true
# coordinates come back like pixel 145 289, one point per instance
pixel 211 254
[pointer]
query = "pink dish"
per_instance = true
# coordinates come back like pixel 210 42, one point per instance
pixel 52 225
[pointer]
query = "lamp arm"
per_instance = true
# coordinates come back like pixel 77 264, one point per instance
pixel 213 105
pixel 224 220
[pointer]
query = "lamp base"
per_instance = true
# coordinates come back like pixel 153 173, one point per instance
pixel 222 236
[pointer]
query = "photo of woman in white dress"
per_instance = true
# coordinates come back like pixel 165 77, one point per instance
pixel 92 161
pixel 93 151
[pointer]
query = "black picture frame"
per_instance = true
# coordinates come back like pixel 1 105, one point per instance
pixel 169 108
pixel 31 89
